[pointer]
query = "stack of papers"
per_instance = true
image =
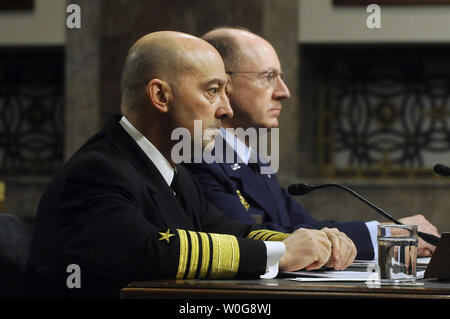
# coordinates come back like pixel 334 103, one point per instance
pixel 332 275
pixel 423 261
pixel 358 271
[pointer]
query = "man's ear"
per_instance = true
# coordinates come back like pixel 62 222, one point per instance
pixel 158 94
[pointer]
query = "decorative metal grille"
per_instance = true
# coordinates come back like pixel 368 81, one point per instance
pixel 31 110
pixel 386 113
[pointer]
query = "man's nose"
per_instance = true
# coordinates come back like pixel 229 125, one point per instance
pixel 224 110
pixel 281 91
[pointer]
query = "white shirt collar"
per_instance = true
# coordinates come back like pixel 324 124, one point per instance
pixel 242 151
pixel 161 163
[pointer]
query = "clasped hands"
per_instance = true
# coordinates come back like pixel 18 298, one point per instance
pixel 311 249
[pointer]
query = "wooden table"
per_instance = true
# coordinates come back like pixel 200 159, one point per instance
pixel 282 289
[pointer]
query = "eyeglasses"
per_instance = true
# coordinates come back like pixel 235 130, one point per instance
pixel 270 77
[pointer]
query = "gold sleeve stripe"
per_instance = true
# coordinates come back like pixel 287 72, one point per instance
pixel 205 255
pixel 184 251
pixel 278 237
pixel 195 249
pixel 225 261
pixel 261 236
pixel 267 235
pixel 216 257
pixel 235 255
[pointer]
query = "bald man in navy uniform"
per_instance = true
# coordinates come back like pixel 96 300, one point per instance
pixel 240 188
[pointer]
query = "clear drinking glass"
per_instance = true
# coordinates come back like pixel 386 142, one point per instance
pixel 397 253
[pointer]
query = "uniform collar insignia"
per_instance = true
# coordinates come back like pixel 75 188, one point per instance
pixel 235 166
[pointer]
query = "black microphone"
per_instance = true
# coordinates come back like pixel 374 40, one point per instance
pixel 303 189
pixel 442 170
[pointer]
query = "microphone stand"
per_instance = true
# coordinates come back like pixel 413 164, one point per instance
pixel 429 238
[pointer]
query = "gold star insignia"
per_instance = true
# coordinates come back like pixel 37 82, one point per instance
pixel 166 235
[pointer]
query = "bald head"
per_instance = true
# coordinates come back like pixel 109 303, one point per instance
pixel 231 42
pixel 255 88
pixel 164 55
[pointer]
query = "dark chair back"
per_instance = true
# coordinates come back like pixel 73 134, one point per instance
pixel 15 242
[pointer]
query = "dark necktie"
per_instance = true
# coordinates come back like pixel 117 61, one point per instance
pixel 183 200
pixel 176 187
pixel 256 168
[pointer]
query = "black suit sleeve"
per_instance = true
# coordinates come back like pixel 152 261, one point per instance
pixel 100 226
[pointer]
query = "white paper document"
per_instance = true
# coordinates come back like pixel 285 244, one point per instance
pixel 423 261
pixel 366 272
pixel 333 275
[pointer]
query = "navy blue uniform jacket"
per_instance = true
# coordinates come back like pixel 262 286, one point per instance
pixel 111 212
pixel 239 192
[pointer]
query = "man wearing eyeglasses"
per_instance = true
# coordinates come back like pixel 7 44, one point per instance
pixel 256 90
